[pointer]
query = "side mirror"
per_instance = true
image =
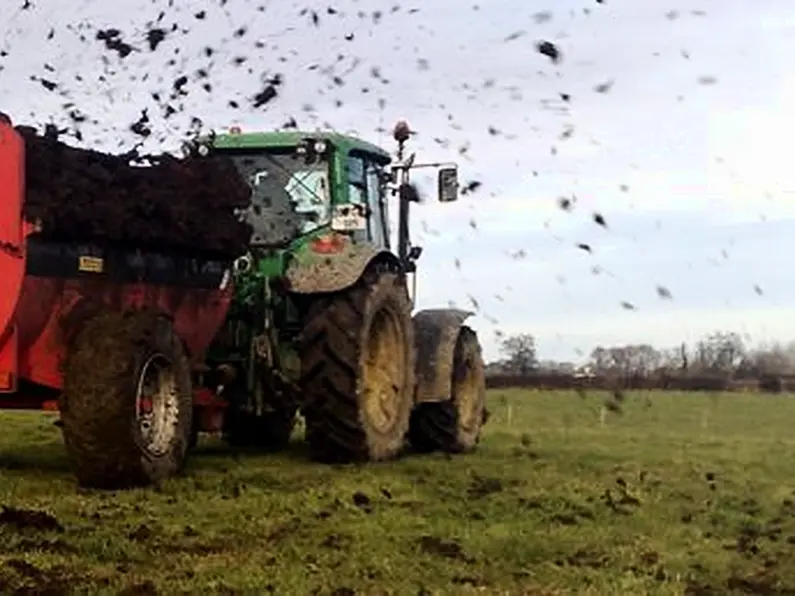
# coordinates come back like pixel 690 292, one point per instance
pixel 448 184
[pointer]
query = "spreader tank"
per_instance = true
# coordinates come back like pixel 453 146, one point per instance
pixel 49 288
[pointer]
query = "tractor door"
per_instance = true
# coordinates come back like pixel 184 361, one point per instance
pixel 365 188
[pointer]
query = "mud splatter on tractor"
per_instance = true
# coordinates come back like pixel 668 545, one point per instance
pixel 225 292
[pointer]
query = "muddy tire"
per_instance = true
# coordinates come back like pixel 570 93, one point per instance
pixel 127 403
pixel 357 371
pixel 454 426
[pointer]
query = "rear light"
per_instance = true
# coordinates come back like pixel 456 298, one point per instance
pixel 329 244
pixel 6 381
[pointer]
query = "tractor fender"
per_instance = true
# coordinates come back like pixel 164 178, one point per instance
pixel 436 333
pixel 312 273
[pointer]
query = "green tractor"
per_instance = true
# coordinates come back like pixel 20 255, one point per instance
pixel 321 320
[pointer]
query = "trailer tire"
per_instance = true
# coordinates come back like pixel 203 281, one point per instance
pixel 357 371
pixel 454 425
pixel 110 399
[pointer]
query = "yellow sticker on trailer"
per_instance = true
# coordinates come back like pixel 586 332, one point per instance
pixel 91 264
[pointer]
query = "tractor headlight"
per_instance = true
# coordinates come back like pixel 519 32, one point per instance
pixel 320 147
pixel 203 150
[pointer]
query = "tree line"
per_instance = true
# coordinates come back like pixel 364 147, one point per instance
pixel 717 360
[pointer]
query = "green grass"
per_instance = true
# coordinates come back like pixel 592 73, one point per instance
pixel 675 494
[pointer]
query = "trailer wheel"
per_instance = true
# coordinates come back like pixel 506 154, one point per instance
pixel 454 426
pixel 357 371
pixel 127 404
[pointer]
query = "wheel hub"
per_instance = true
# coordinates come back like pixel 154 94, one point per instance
pixel 157 404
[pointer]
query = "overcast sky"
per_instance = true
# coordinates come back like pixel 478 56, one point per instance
pixel 678 129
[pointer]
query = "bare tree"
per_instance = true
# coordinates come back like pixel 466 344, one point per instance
pixel 772 359
pixel 720 352
pixel 520 353
pixel 674 360
pixel 600 360
pixel 625 361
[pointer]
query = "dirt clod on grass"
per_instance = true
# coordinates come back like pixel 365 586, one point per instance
pixel 362 501
pixel 449 549
pixel 28 519
pixel 170 204
pixel 482 487
pixel 22 577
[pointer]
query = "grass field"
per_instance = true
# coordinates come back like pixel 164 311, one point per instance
pixel 673 494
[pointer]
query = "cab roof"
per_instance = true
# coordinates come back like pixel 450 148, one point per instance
pixel 278 139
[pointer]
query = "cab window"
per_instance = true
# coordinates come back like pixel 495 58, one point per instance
pixel 364 188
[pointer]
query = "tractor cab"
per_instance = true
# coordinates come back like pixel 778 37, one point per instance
pixel 303 182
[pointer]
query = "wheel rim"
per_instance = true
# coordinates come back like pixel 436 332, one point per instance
pixel 466 395
pixel 157 404
pixel 383 376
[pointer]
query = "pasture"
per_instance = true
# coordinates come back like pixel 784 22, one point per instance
pixel 663 493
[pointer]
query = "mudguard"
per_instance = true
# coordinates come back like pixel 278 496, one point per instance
pixel 312 273
pixel 436 332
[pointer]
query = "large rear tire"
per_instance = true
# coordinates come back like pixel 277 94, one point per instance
pixel 455 425
pixel 357 371
pixel 127 402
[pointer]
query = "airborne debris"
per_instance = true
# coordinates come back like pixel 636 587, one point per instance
pixel 604 87
pixel 269 91
pixel 48 85
pixel 664 293
pixel 566 203
pixel 112 40
pixel 154 37
pixel 550 50
pixel 515 35
pixel 140 127
pixel 471 186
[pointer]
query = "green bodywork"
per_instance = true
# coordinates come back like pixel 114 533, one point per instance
pixel 276 286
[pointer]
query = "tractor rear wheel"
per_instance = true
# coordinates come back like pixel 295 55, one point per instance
pixel 127 403
pixel 357 371
pixel 454 425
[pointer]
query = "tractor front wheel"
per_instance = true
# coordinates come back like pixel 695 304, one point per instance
pixel 454 425
pixel 127 402
pixel 357 369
